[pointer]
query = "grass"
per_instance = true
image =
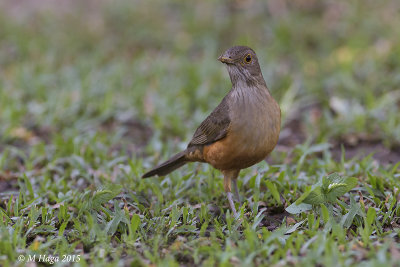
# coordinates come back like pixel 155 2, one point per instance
pixel 94 94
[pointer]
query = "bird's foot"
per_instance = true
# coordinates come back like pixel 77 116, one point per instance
pixel 231 203
pixel 237 195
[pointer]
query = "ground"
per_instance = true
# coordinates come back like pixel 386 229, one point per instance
pixel 94 93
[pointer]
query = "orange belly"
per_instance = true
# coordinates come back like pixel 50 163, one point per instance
pixel 234 153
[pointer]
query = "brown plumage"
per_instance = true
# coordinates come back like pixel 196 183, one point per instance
pixel 241 131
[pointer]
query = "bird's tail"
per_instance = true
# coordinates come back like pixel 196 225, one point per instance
pixel 170 165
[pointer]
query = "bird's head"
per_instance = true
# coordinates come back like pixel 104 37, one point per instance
pixel 242 65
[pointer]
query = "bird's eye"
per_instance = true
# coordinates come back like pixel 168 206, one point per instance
pixel 247 59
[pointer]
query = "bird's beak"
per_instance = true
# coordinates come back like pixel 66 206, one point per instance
pixel 225 60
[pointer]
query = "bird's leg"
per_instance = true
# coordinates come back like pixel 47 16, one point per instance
pixel 235 186
pixel 231 203
pixel 228 177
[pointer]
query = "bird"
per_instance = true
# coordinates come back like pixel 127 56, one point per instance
pixel 240 132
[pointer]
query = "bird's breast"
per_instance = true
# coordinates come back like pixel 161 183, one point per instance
pixel 252 135
pixel 256 123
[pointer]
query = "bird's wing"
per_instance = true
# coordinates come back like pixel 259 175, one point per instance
pixel 214 127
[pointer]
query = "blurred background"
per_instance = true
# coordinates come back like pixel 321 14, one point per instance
pixel 137 77
pixel 93 93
